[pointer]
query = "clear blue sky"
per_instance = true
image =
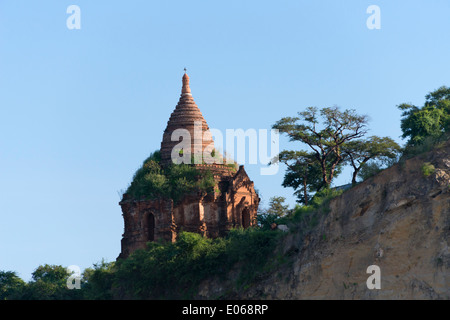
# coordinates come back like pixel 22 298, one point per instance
pixel 81 109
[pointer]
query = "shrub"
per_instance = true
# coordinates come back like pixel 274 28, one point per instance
pixel 97 282
pixel 49 282
pixel 307 217
pixel 323 197
pixel 427 144
pixel 152 181
pixel 11 285
pixel 369 169
pixel 174 270
pixel 275 213
pixel 427 169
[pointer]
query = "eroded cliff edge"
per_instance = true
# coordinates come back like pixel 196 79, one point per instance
pixel 398 220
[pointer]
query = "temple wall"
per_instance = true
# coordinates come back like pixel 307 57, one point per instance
pixel 212 215
pixel 233 202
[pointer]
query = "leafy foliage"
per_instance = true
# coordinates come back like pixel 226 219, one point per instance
pixel 49 282
pixel 427 169
pixel 359 152
pixel 174 270
pixel 152 181
pixel 277 206
pixel 335 141
pixel 305 218
pixel 11 285
pixel 276 210
pixel 304 173
pixel 431 120
pixel 161 271
pixel 324 139
pixel 98 282
pixel 369 169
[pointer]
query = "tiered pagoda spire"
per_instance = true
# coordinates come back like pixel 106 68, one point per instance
pixel 186 115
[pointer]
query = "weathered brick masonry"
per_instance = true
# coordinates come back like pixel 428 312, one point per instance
pixel 233 203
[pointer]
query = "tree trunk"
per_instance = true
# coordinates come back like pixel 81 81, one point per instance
pixel 305 192
pixel 324 171
pixel 355 173
pixel 333 168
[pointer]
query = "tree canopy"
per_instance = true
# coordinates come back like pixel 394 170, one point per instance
pixel 49 282
pixel 334 138
pixel 152 181
pixel 303 174
pixel 11 285
pixel 359 152
pixel 326 139
pixel 432 120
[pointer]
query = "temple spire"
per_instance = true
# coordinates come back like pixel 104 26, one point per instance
pixel 186 90
pixel 187 116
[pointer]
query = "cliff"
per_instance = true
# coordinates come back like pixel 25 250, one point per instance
pixel 398 220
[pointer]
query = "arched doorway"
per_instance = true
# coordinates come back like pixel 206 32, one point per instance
pixel 245 219
pixel 150 227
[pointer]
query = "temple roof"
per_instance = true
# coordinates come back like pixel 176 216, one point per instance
pixel 186 116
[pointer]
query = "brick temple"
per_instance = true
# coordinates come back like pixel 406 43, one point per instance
pixel 232 204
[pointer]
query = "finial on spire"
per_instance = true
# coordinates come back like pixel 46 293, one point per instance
pixel 186 89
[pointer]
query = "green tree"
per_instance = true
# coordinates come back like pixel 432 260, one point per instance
pixel 432 120
pixel 11 285
pixel 98 281
pixel 325 139
pixel 369 169
pixel 277 207
pixel 303 173
pixel 359 152
pixel 49 282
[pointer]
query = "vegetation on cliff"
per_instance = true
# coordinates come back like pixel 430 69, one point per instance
pixel 426 126
pixel 166 270
pixel 334 138
pixel 302 218
pixel 161 271
pixel 174 270
pixel 432 120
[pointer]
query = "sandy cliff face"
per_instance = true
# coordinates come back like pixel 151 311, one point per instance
pixel 398 220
